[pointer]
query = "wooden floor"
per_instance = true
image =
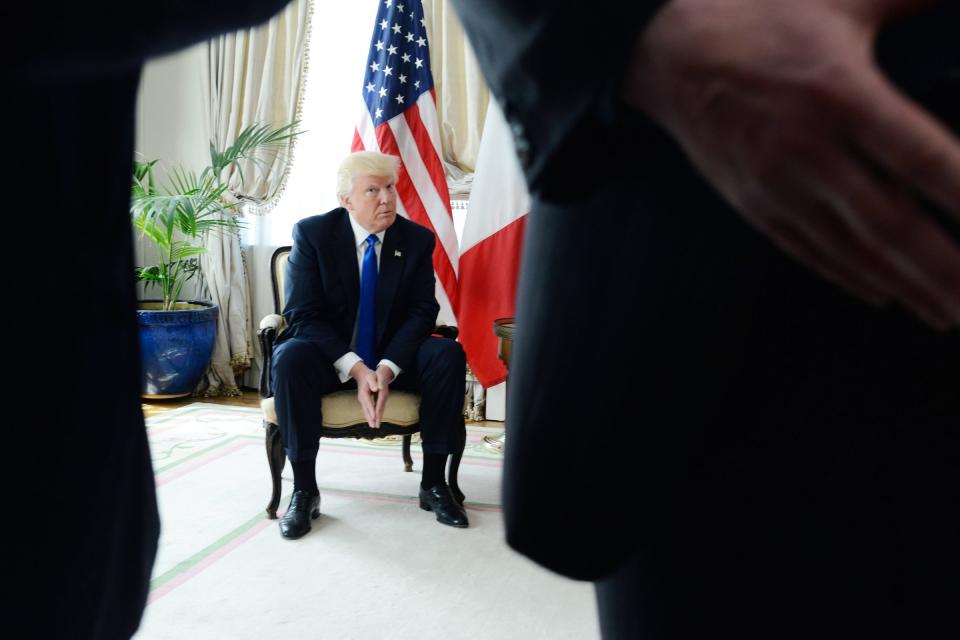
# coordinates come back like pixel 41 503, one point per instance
pixel 250 398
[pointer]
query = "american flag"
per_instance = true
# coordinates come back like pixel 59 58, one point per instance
pixel 400 118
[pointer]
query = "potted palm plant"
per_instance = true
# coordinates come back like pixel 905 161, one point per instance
pixel 177 336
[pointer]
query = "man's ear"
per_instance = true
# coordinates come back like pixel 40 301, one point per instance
pixel 344 201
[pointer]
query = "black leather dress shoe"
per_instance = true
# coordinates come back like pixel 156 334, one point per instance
pixel 296 521
pixel 439 500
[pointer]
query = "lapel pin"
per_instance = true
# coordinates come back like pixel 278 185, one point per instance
pixel 397 254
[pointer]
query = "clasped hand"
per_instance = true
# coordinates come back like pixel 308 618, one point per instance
pixel 373 388
pixel 782 107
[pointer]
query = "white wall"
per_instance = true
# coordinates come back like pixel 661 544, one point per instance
pixel 171 125
pixel 171 116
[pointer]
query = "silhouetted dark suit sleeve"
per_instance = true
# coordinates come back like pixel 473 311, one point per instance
pixel 99 35
pixel 556 70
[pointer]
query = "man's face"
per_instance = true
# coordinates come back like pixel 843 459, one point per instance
pixel 372 202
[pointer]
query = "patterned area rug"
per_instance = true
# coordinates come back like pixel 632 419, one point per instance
pixel 374 566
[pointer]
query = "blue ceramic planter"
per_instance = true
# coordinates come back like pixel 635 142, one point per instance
pixel 175 346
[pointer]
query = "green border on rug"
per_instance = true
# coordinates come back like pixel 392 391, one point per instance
pixel 185 565
pixel 205 451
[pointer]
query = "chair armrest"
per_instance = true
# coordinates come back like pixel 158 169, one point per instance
pixel 446 331
pixel 273 321
pixel 270 327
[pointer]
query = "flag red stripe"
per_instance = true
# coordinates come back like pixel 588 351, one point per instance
pixel 428 153
pixel 488 282
pixel 417 212
pixel 421 182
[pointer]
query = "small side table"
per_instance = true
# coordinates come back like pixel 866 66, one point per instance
pixel 503 328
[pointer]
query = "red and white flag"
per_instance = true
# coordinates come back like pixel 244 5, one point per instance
pixel 490 247
pixel 400 118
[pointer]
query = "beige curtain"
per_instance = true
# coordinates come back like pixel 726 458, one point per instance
pixel 253 76
pixel 462 93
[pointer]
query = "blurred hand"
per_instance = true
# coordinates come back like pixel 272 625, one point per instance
pixel 780 104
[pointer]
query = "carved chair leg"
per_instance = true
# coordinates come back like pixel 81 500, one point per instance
pixel 452 474
pixel 407 459
pixel 276 459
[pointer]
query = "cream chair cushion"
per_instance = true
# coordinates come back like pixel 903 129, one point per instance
pixel 341 409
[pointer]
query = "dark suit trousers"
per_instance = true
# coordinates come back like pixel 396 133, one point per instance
pixel 301 375
pixel 779 460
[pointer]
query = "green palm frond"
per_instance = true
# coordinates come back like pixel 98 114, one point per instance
pixel 152 274
pixel 182 250
pixel 249 143
pixel 183 181
pixel 156 216
pixel 154 232
pixel 143 179
pixel 190 205
pixel 143 170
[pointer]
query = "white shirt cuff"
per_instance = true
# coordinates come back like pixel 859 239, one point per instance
pixel 393 367
pixel 344 364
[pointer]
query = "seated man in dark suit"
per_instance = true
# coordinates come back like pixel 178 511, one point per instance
pixel 360 307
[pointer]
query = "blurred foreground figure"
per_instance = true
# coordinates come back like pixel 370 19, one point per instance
pixel 83 519
pixel 733 400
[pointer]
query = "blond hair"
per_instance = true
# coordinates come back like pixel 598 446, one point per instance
pixel 365 163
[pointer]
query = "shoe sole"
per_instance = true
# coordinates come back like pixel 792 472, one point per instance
pixel 426 507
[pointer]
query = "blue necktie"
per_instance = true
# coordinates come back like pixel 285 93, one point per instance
pixel 367 324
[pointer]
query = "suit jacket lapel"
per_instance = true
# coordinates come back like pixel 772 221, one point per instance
pixel 391 267
pixel 345 250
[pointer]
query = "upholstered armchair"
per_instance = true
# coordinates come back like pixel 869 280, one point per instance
pixel 342 415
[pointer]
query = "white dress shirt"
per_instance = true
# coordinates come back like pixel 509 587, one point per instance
pixel 345 363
